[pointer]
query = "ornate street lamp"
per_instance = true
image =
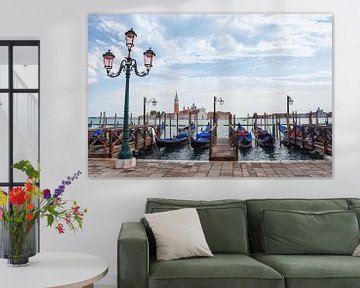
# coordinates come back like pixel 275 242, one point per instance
pixel 152 101
pixel 289 101
pixel 221 102
pixel 128 64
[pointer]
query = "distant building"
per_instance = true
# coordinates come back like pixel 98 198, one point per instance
pixel 176 104
pixel 184 113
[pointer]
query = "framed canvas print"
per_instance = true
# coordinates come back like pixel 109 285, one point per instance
pixel 210 95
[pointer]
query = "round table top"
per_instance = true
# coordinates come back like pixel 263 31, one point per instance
pixel 60 269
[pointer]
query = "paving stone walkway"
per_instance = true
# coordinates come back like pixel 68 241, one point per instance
pixel 157 168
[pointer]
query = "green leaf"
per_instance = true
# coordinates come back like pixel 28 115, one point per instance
pixel 50 219
pixel 28 168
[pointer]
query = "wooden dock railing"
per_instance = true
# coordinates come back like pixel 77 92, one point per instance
pixel 311 137
pixel 106 142
pixel 213 136
pixel 234 141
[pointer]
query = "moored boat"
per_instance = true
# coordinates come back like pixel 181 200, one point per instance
pixel 201 139
pixel 244 137
pixel 264 138
pixel 173 142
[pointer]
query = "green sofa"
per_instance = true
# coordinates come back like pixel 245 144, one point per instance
pixel 243 238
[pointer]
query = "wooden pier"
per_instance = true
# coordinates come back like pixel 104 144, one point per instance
pixel 223 149
pixel 311 137
pixel 106 142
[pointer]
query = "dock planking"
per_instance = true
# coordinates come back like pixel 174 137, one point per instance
pixel 223 150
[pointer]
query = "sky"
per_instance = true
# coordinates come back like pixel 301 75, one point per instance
pixel 252 61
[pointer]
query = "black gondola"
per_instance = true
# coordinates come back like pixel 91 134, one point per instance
pixel 173 142
pixel 201 139
pixel 264 138
pixel 244 137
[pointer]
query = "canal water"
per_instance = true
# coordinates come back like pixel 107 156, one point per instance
pixel 278 153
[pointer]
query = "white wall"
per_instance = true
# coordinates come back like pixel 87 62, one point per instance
pixel 61 25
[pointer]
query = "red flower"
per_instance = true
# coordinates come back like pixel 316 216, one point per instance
pixel 17 196
pixel 29 186
pixel 29 217
pixel 60 228
pixel 75 209
pixel 27 196
pixel 29 206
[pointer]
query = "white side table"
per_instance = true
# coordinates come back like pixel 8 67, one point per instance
pixel 50 270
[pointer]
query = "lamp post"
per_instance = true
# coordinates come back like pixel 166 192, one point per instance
pixel 221 102
pixel 153 102
pixel 289 101
pixel 128 64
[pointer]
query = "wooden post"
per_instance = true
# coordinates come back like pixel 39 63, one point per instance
pixel 170 126
pixel 164 125
pixel 177 123
pixel 110 144
pixel 247 122
pixel 197 122
pixel 100 119
pixel 310 118
pixel 136 139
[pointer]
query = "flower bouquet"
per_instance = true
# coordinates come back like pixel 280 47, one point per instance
pixel 21 208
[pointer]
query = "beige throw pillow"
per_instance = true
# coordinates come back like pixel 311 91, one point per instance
pixel 178 234
pixel 357 251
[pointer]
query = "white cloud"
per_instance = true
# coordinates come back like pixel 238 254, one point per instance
pixel 247 35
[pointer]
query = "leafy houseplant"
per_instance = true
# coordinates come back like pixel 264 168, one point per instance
pixel 23 206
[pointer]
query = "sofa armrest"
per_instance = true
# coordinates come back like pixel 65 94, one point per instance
pixel 133 256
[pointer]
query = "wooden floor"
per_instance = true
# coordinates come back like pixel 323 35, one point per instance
pixel 223 151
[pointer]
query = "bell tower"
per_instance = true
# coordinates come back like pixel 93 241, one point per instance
pixel 176 104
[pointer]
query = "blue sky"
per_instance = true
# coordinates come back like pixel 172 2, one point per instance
pixel 252 61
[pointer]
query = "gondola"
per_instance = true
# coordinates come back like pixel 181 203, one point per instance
pixel 173 142
pixel 264 138
pixel 201 139
pixel 244 137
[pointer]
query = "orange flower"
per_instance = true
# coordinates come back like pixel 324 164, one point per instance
pixel 27 196
pixel 29 206
pixel 29 186
pixel 29 217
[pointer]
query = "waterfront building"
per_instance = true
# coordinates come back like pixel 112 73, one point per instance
pixel 176 104
pixel 184 113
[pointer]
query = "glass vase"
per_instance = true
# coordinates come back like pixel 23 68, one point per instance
pixel 18 242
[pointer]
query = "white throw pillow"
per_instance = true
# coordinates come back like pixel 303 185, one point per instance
pixel 357 251
pixel 178 234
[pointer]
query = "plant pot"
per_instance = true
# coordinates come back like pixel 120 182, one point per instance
pixel 18 242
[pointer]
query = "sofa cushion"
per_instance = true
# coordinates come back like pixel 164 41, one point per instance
pixel 297 232
pixel 313 271
pixel 254 216
pixel 356 209
pixel 178 234
pixel 353 201
pixel 222 270
pixel 223 221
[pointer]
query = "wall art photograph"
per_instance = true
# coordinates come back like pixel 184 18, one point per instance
pixel 210 95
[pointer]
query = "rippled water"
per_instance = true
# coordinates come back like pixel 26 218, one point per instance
pixel 251 154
